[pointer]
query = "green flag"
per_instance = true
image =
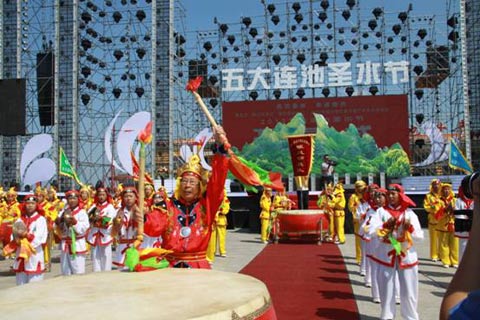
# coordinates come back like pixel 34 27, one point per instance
pixel 457 160
pixel 65 168
pixel 395 245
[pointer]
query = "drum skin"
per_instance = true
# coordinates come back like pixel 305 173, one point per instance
pixel 161 294
pixel 297 224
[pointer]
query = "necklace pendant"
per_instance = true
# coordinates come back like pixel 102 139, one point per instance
pixel 185 232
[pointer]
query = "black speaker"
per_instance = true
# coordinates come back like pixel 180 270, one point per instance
pixel 45 80
pixel 200 68
pixel 12 107
pixel 438 59
pixel 197 68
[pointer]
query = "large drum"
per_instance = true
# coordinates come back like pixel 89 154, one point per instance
pixel 161 294
pixel 300 224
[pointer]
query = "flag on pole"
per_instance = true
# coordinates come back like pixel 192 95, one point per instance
pixel 457 160
pixel 65 168
pixel 136 170
pixel 251 175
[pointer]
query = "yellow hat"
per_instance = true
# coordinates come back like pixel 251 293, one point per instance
pixel 147 184
pixel 329 187
pixel 360 184
pixel 120 187
pixel 40 190
pixel 446 184
pixel 12 191
pixel 339 187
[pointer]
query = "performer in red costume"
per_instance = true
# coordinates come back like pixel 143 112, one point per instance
pixel 192 209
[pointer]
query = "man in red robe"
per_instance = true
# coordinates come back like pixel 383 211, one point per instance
pixel 187 226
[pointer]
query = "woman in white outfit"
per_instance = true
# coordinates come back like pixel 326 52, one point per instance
pixel 396 228
pixel 101 217
pixel 72 226
pixel 364 211
pixel 29 231
pixel 125 225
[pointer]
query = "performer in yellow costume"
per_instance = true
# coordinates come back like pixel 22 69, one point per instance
pixel 219 231
pixel 51 208
pixel 11 213
pixel 339 213
pixel 117 198
pixel 448 243
pixel 353 202
pixel 41 194
pixel 149 192
pixel 326 203
pixel 432 204
pixel 54 201
pixel 86 197
pixel 2 201
pixel 281 202
pixel 265 205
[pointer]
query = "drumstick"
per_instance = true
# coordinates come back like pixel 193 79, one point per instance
pixel 204 108
pixel 144 137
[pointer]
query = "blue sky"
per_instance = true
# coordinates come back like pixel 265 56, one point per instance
pixel 200 13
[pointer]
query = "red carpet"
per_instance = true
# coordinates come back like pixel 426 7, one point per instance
pixel 305 281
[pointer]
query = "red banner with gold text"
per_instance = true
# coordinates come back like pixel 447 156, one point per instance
pixel 302 148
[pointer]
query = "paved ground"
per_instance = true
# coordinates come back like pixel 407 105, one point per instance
pixel 243 246
pixel 433 282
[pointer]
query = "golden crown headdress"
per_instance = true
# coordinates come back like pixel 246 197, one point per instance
pixel 192 166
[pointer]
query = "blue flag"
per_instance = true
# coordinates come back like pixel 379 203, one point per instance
pixel 457 160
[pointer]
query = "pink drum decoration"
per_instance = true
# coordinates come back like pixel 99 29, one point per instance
pixel 300 224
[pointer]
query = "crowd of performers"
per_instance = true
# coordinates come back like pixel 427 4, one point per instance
pixel 92 221
pixel 386 230
pixel 191 223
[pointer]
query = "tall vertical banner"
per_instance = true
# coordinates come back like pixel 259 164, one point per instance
pixel 302 149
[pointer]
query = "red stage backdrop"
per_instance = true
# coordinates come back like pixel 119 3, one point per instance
pixel 383 117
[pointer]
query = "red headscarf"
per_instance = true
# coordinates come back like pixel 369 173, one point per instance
pixel 366 195
pixel 405 201
pixel 461 195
